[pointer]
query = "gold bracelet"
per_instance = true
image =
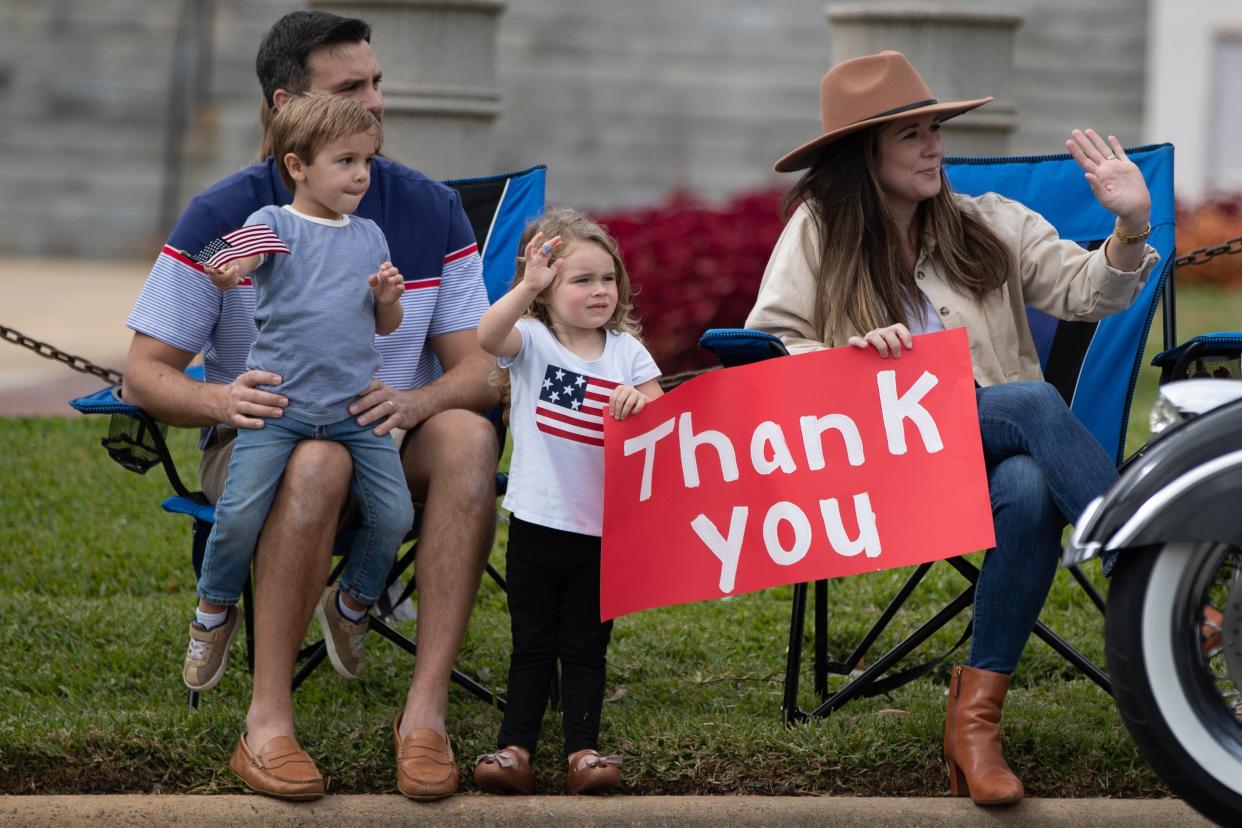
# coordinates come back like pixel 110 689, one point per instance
pixel 1128 239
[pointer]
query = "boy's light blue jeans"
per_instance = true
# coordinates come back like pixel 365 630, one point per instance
pixel 255 468
pixel 1044 467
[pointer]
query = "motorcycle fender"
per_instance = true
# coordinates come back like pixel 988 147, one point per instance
pixel 1204 504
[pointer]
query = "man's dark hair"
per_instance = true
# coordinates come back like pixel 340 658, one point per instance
pixel 281 62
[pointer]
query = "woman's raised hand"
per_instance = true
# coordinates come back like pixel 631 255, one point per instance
pixel 538 274
pixel 886 341
pixel 1116 180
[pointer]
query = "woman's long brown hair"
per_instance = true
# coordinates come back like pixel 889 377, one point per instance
pixel 865 276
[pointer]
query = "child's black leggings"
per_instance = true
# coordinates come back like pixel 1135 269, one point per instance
pixel 553 579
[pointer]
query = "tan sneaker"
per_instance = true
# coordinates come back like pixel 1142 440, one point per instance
pixel 208 653
pixel 345 640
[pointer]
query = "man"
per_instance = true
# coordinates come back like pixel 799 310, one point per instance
pixel 433 380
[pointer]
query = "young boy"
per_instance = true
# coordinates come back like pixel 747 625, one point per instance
pixel 318 311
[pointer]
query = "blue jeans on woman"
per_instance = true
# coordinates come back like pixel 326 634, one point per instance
pixel 1044 467
pixel 255 468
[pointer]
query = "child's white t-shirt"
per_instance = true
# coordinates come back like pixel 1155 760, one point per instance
pixel 556 413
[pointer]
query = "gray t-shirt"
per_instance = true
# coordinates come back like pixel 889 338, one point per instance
pixel 315 311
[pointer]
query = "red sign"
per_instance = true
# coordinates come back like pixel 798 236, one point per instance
pixel 794 469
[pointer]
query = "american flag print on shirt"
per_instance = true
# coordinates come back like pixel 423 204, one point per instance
pixel 571 405
pixel 248 241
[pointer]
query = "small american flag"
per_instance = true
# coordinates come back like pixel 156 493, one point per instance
pixel 571 406
pixel 248 241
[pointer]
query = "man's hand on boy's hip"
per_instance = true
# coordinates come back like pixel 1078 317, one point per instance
pixel 245 403
pixel 387 408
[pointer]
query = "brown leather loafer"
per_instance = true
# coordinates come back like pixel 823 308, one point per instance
pixel 504 772
pixel 425 768
pixel 280 769
pixel 591 773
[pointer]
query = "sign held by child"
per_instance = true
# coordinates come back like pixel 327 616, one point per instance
pixel 795 469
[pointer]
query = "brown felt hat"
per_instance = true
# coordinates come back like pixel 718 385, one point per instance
pixel 870 90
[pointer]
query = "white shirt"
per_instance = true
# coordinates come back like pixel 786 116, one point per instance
pixel 924 318
pixel 556 413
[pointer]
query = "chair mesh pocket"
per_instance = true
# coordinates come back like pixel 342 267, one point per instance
pixel 1223 366
pixel 131 443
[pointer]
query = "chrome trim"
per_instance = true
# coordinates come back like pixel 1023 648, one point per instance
pixel 1192 397
pixel 1076 551
pixel 1075 554
pixel 1158 501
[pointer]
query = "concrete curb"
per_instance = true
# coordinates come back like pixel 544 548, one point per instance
pixel 371 811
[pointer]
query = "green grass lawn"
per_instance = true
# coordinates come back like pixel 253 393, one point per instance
pixel 96 591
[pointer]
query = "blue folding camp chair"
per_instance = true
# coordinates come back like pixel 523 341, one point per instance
pixel 498 208
pixel 1094 365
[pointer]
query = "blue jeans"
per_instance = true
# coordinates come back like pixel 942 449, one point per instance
pixel 1044 467
pixel 255 468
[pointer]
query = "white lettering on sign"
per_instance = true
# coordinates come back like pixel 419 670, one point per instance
pixel 768 434
pixel 770 452
pixel 868 538
pixel 795 517
pixel 813 429
pixel 897 409
pixel 726 549
pixel 646 443
pixel 688 442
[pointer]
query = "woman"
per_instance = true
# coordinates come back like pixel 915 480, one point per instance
pixel 879 249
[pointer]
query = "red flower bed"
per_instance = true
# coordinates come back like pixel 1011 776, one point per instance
pixel 695 267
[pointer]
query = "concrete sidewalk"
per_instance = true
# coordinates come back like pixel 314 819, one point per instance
pixel 76 306
pixel 676 811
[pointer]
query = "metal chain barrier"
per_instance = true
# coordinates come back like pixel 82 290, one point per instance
pixel 1195 257
pixel 77 363
pixel 1206 254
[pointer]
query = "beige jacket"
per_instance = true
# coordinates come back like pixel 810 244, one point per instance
pixel 1055 276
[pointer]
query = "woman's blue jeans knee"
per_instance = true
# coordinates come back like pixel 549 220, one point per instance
pixel 255 469
pixel 1044 467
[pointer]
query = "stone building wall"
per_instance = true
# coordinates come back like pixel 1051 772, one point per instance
pixel 84 115
pixel 627 100
pixel 623 100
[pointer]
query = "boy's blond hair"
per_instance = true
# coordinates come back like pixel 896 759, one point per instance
pixel 308 123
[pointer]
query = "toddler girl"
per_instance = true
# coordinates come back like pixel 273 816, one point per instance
pixel 567 334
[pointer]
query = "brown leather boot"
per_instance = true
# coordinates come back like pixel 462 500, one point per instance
pixel 972 745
